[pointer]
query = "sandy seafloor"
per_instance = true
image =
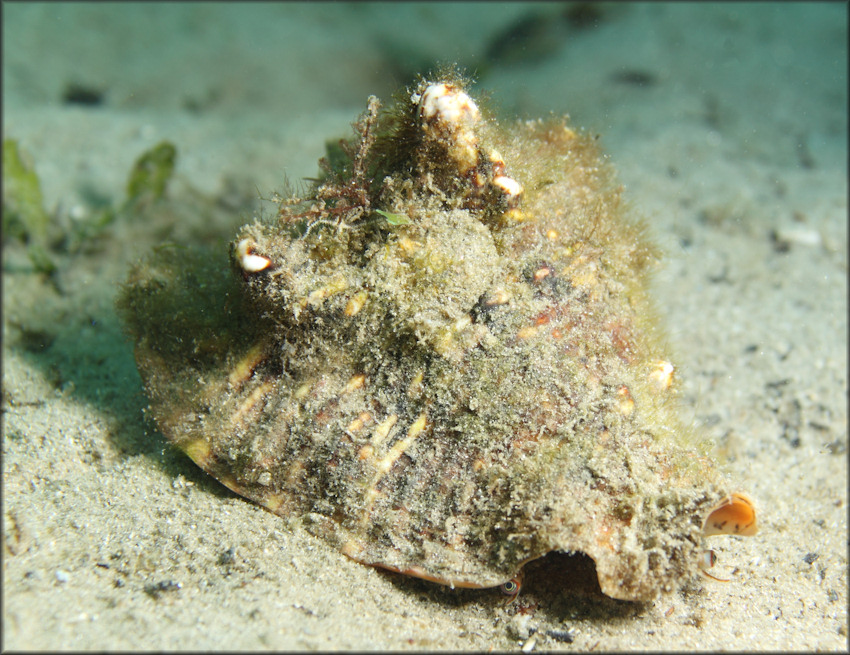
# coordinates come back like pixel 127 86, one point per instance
pixel 728 126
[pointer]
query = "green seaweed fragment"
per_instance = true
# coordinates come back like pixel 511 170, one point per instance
pixel 146 184
pixel 151 174
pixel 394 219
pixel 24 215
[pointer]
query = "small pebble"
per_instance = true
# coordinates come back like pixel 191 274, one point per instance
pixel 62 576
pixel 784 238
pixel 519 624
pixel 227 557
pixel 529 645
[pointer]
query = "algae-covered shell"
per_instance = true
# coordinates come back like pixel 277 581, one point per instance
pixel 449 387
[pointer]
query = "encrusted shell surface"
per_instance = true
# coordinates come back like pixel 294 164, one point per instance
pixel 450 387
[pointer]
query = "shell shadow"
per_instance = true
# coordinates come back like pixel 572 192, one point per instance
pixel 85 356
pixel 67 325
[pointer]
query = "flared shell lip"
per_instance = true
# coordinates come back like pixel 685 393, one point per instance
pixel 452 582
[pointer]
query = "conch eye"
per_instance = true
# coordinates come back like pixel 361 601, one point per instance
pixel 512 586
pixel 509 588
pixel 708 560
